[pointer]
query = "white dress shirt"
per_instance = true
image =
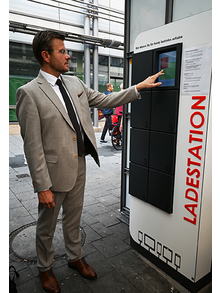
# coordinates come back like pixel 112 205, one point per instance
pixel 52 81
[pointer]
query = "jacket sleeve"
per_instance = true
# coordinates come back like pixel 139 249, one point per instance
pixel 29 121
pixel 115 99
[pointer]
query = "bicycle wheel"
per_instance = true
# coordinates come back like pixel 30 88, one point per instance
pixel 116 138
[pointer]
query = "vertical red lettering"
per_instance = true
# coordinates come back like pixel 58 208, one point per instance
pixel 196 131
pixel 191 208
pixel 202 119
pixel 195 151
pixel 190 182
pixel 192 138
pixel 191 221
pixel 190 162
pixel 192 172
pixel 200 100
pixel 190 197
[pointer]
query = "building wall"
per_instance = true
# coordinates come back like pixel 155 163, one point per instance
pixel 22 64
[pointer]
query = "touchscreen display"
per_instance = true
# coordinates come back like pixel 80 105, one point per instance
pixel 167 62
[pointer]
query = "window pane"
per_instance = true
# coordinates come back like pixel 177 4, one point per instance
pixel 72 17
pixel 182 9
pixel 116 66
pixel 116 83
pixel 150 15
pixel 22 68
pixel 26 6
pixel 103 80
pixel 22 61
pixel 103 73
pixel 76 64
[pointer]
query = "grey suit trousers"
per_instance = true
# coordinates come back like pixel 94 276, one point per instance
pixel 72 204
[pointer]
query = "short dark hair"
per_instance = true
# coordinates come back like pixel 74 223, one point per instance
pixel 108 85
pixel 43 42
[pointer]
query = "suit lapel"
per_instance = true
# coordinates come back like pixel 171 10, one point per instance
pixel 51 95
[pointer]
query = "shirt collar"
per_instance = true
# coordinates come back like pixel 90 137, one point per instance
pixel 49 77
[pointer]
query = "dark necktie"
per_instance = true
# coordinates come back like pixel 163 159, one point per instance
pixel 73 118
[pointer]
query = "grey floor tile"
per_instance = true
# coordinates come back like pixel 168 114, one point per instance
pixel 15 223
pixel 74 284
pixel 88 249
pixel 91 189
pixel 100 264
pixel 88 219
pixel 26 195
pixel 151 281
pixel 24 187
pixel 14 203
pixel 108 200
pixel 115 207
pixel 121 231
pixel 30 286
pixel 91 235
pixel 63 272
pixel 16 150
pixel 22 170
pixel 89 200
pixel 108 219
pixel 102 229
pixel 15 181
pixel 96 209
pixel 111 246
pixel 114 282
pixel 31 205
pixel 129 264
pixel 17 213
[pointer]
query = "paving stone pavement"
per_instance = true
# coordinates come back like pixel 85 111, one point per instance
pixel 105 238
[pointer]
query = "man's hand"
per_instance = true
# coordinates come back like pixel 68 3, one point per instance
pixel 46 198
pixel 149 82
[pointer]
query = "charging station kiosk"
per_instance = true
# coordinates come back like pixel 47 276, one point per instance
pixel 170 150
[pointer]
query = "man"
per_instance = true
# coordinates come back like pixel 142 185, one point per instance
pixel 54 115
pixel 107 113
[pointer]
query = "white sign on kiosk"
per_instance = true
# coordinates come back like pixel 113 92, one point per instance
pixel 177 238
pixel 196 70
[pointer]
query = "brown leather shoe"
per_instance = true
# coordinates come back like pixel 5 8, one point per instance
pixel 85 270
pixel 49 282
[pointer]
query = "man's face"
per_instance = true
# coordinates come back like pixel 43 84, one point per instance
pixel 58 58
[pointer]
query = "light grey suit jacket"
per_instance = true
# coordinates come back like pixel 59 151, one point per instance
pixel 49 137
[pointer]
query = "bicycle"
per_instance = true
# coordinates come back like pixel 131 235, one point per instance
pixel 116 135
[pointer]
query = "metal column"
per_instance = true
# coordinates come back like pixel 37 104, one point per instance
pixel 169 11
pixel 95 60
pixel 87 49
pixel 127 57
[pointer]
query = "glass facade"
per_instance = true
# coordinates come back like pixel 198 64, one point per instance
pixel 52 12
pixel 145 15
pixel 65 16
pixel 186 8
pixel 76 64
pixel 23 67
pixel 103 72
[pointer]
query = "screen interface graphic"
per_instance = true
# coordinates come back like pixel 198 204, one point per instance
pixel 167 62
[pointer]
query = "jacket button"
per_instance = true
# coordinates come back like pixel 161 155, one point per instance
pixel 74 138
pixel 76 156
